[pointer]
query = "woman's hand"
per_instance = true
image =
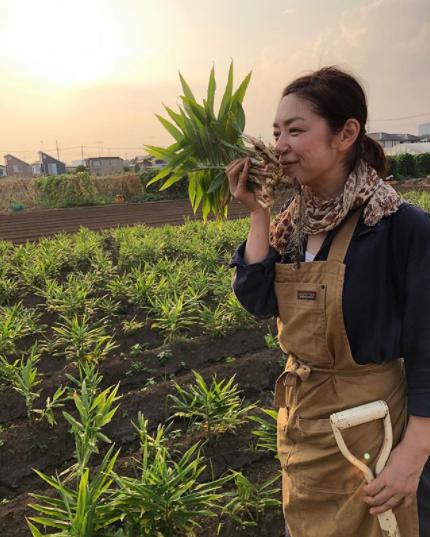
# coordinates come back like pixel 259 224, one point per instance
pixel 398 482
pixel 237 173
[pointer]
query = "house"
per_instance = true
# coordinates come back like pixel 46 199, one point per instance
pixel 2 171
pixel 424 128
pixel 50 165
pixel 17 167
pixel 390 140
pixel 36 168
pixel 414 148
pixel 146 161
pixel 104 165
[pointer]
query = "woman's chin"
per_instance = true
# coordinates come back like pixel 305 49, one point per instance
pixel 302 180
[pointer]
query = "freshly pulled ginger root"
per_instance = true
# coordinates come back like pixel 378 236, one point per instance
pixel 266 177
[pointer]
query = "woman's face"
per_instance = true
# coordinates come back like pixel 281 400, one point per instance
pixel 304 143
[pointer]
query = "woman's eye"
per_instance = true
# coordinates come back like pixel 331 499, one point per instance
pixel 276 135
pixel 294 130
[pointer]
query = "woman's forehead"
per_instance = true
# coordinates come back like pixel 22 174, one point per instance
pixel 292 108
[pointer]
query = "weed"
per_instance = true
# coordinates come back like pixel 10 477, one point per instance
pixel 165 356
pixel 131 326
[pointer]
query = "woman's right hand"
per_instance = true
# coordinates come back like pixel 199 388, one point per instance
pixel 237 173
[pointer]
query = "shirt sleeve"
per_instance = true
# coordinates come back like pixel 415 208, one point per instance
pixel 253 283
pixel 414 241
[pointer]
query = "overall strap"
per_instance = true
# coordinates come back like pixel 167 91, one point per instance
pixel 343 236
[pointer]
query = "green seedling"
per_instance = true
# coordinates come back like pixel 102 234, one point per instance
pixel 266 431
pixel 248 502
pixel 23 377
pixel 165 356
pixel 214 409
pixel 57 401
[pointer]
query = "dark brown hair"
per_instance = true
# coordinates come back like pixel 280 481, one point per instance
pixel 337 96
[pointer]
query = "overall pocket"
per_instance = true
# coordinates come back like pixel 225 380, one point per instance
pixel 302 317
pixel 284 443
pixel 320 463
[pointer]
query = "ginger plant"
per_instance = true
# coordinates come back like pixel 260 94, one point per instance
pixel 206 142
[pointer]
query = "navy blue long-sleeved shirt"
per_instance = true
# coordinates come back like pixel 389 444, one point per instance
pixel 386 294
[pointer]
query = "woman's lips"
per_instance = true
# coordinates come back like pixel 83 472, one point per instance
pixel 286 164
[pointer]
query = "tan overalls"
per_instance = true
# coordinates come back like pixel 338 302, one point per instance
pixel 322 494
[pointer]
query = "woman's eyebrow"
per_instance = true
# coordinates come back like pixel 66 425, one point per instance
pixel 288 121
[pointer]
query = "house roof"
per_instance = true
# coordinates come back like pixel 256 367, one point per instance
pixel 16 158
pixel 384 136
pixel 42 154
pixel 103 158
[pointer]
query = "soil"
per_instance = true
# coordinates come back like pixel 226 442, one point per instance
pixel 26 446
pixel 30 226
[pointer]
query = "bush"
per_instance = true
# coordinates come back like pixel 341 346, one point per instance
pixel 407 166
pixel 392 165
pixel 66 190
pixel 423 163
pixel 177 190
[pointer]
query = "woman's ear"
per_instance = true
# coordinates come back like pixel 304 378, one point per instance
pixel 348 134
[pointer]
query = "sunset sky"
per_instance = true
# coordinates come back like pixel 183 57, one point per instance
pixel 94 72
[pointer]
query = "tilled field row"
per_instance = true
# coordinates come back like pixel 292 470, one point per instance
pixel 34 224
pixel 39 446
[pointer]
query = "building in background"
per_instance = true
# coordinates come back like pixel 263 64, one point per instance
pixel 50 165
pixel 144 162
pixel 424 129
pixel 396 144
pixel 414 148
pixel 390 140
pixel 2 171
pixel 104 165
pixel 17 167
pixel 36 168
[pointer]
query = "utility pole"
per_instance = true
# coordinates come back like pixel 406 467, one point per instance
pixel 82 154
pixel 100 144
pixel 58 151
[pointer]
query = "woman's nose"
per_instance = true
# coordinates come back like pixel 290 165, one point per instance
pixel 281 145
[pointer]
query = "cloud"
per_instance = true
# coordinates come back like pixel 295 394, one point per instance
pixel 384 43
pixel 289 11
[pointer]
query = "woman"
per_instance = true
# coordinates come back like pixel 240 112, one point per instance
pixel 353 316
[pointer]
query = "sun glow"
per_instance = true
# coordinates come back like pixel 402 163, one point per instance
pixel 68 43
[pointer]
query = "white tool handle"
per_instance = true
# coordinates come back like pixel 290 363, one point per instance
pixel 357 416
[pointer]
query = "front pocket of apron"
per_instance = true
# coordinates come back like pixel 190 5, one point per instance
pixel 319 462
pixel 301 308
pixel 284 443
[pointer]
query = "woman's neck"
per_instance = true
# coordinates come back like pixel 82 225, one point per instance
pixel 330 186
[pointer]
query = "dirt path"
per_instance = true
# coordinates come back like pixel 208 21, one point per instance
pixel 32 225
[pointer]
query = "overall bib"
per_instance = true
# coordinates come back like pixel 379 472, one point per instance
pixel 322 491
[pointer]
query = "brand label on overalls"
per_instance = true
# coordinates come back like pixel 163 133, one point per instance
pixel 306 295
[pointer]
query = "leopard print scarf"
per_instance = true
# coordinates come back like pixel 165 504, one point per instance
pixel 307 214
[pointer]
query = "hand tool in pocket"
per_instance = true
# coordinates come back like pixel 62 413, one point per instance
pixel 357 416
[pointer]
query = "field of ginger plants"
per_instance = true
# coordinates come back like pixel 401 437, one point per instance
pixel 136 392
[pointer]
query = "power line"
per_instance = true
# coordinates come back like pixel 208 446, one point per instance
pixel 123 148
pixel 404 117
pixel 54 149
